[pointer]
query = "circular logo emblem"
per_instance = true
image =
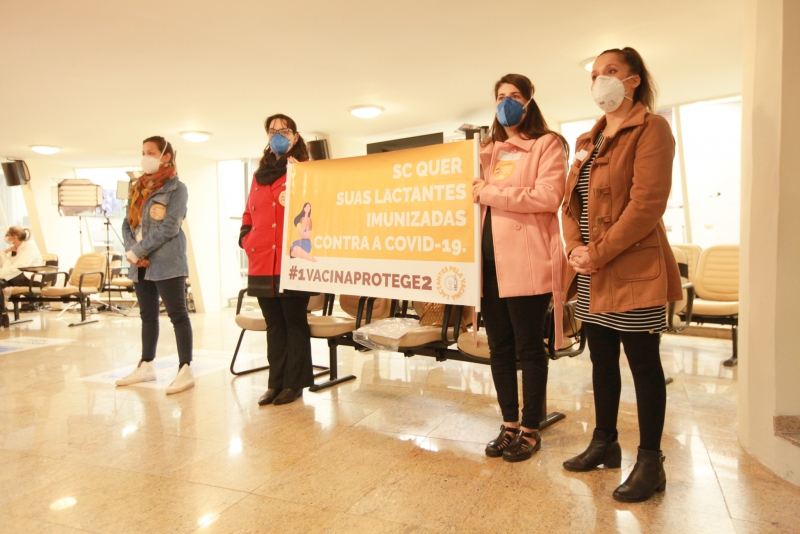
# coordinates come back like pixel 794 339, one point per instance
pixel 451 283
pixel 503 170
pixel 282 198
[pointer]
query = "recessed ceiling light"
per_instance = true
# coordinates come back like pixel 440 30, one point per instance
pixel 366 112
pixel 196 137
pixel 588 63
pixel 42 149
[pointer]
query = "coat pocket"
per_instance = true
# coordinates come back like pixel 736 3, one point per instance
pixel 641 263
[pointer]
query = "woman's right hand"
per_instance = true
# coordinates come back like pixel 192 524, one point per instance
pixel 580 260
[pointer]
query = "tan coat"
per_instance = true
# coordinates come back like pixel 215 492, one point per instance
pixel 629 185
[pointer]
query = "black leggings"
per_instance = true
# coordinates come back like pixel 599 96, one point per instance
pixel 288 342
pixel 18 281
pixel 644 359
pixel 173 295
pixel 515 328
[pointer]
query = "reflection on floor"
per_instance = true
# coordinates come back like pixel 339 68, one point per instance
pixel 398 450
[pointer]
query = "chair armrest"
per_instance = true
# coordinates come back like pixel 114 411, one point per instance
pixel 67 276
pixel 240 300
pixel 80 280
pixel 458 311
pixel 689 287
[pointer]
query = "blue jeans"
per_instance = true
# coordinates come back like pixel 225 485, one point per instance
pixel 173 294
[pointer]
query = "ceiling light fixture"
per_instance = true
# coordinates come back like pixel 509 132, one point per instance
pixel 196 137
pixel 588 63
pixel 366 112
pixel 44 149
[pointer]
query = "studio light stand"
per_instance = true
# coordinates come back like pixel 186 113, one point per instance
pixel 109 228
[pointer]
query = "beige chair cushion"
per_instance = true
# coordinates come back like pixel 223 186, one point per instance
pixel 692 253
pixel 715 307
pixel 415 338
pixel 122 282
pixel 94 262
pixel 717 276
pixel 49 257
pixel 330 326
pixel 316 302
pixel 380 310
pixel 466 344
pixel 253 320
pixel 20 290
pixel 66 291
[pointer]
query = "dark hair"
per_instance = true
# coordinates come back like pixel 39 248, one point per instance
pixel 299 151
pixel 23 234
pixel 533 125
pixel 303 213
pixel 646 91
pixel 163 145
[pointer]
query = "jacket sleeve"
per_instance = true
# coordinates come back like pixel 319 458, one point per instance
pixel 547 192
pixel 247 221
pixel 652 180
pixel 571 228
pixel 169 227
pixel 127 233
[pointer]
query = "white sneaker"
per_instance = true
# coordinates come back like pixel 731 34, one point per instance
pixel 183 381
pixel 144 372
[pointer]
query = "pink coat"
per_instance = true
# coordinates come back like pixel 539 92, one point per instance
pixel 525 188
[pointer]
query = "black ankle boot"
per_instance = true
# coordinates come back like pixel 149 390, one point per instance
pixel 494 449
pixel 603 449
pixel 648 477
pixel 521 449
pixel 5 322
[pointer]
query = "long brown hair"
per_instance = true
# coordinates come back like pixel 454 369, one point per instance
pixel 164 146
pixel 533 125
pixel 646 91
pixel 299 151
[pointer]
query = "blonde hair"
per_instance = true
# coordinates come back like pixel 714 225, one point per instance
pixel 23 234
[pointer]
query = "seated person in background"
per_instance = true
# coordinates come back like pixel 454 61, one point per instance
pixel 22 253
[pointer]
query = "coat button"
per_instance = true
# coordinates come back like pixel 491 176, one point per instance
pixel 273 246
pixel 518 226
pixel 252 250
pixel 253 208
pixel 256 189
pixel 274 225
pixel 273 203
pixel 594 229
pixel 636 245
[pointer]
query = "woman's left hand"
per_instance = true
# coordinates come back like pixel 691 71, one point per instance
pixel 477 187
pixel 580 260
pixel 292 159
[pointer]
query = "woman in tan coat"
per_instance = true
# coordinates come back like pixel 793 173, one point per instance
pixel 620 261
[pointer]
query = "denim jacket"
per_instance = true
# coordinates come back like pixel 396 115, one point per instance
pixel 163 241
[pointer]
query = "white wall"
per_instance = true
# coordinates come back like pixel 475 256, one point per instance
pixel 202 229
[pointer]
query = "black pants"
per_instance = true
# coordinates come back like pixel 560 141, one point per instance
pixel 288 342
pixel 515 328
pixel 173 295
pixel 644 359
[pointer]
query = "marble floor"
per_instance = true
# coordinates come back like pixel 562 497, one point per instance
pixel 398 450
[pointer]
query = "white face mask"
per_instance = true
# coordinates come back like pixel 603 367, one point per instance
pixel 9 241
pixel 608 92
pixel 150 165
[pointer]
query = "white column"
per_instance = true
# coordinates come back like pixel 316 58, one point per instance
pixel 769 361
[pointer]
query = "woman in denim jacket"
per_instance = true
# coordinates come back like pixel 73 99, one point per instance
pixel 156 250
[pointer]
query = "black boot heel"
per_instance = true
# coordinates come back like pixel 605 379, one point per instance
pixel 4 320
pixel 647 478
pixel 495 448
pixel 603 449
pixel 521 449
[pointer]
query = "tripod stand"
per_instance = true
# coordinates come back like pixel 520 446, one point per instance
pixel 108 306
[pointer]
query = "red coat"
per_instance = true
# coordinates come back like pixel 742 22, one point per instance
pixel 264 214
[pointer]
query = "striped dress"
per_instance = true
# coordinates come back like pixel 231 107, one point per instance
pixel 651 320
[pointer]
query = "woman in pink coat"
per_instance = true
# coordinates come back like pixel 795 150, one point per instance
pixel 524 166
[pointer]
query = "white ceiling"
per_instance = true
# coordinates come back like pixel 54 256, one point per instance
pixel 95 77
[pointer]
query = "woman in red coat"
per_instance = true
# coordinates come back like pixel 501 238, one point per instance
pixel 261 236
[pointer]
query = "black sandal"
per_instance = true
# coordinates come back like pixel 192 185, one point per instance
pixel 495 448
pixel 521 449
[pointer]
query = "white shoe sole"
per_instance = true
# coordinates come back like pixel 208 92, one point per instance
pixel 128 382
pixel 172 390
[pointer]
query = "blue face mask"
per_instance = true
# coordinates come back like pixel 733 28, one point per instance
pixel 279 144
pixel 510 112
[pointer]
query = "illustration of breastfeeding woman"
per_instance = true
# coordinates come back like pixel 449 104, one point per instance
pixel 301 248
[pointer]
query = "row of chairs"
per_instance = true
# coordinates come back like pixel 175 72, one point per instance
pixel 441 342
pixel 711 290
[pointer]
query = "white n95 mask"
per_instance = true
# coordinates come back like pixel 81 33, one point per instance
pixel 150 164
pixel 608 92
